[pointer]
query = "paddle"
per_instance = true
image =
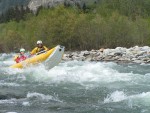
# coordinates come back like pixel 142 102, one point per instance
pixel 44 51
pixel 41 52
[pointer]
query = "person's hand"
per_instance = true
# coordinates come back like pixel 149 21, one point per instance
pixel 30 55
pixel 16 57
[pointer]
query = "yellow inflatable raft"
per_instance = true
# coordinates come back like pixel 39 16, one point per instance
pixel 51 58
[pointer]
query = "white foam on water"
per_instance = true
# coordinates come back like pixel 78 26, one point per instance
pixel 84 73
pixel 12 71
pixel 11 112
pixel 7 59
pixel 10 84
pixel 118 96
pixel 39 96
pixel 14 101
pixel 8 101
pixel 78 72
pixel 34 96
pixel 73 71
pixel 3 55
pixel 26 104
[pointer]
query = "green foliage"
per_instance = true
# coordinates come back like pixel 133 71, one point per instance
pixel 110 23
pixel 14 13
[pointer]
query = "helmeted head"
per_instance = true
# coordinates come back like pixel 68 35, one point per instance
pixel 22 50
pixel 39 43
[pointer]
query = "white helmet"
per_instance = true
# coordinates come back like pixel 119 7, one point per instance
pixel 22 50
pixel 39 42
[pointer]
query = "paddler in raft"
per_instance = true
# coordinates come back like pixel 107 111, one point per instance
pixel 39 49
pixel 21 56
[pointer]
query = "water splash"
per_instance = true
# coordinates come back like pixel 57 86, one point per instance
pixel 119 96
pixel 39 96
pixel 75 84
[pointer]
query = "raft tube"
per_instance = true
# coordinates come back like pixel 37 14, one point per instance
pixel 51 58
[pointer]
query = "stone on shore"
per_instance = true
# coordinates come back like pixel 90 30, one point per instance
pixel 119 54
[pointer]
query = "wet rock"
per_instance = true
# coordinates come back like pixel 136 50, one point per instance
pixel 134 54
pixel 138 61
pixel 86 53
pixel 108 58
pixel 66 57
pixel 80 58
pixel 118 54
pixel 101 50
pixel 146 59
pixel 88 58
pixel 70 56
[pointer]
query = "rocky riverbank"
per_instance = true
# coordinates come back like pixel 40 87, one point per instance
pixel 120 54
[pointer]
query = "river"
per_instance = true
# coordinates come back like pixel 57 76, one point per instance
pixel 75 87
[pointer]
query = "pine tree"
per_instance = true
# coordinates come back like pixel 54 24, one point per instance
pixel 84 8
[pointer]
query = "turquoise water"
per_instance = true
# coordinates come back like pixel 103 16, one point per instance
pixel 75 87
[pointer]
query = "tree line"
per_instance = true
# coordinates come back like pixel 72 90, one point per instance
pixel 16 13
pixel 106 23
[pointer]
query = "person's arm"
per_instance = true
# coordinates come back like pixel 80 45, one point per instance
pixel 33 51
pixel 46 49
pixel 16 58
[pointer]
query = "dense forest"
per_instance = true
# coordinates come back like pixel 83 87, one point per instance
pixel 107 24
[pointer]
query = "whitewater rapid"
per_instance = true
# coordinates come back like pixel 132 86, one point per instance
pixel 74 87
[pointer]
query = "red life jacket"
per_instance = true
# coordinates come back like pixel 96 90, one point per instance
pixel 20 58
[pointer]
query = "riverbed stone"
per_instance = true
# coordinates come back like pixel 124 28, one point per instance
pixel 134 54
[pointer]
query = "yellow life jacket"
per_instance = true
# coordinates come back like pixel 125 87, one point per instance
pixel 37 50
